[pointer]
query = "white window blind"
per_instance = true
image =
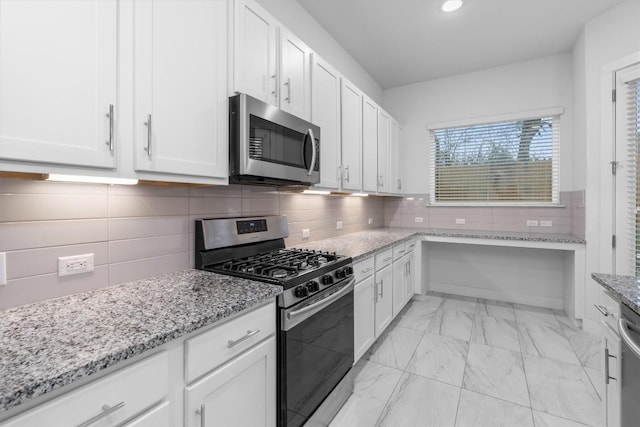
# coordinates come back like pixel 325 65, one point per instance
pixel 506 162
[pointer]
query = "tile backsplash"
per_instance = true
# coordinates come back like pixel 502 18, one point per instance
pixel 141 231
pixel 566 218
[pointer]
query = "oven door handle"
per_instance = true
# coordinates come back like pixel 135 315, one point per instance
pixel 293 318
pixel 623 326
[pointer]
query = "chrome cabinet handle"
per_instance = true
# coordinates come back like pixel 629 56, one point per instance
pixel 375 292
pixel 148 125
pixel 249 334
pixel 602 310
pixel 386 259
pixel 623 325
pixel 274 92
pixel 201 413
pixel 106 411
pixel 366 270
pixel 314 151
pixel 111 118
pixel 381 283
pixel 339 174
pixel 346 169
pixel 288 85
pixel 607 377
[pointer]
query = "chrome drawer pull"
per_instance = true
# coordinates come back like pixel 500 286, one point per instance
pixel 366 271
pixel 602 310
pixel 386 259
pixel 110 116
pixel 149 135
pixel 106 411
pixel 249 334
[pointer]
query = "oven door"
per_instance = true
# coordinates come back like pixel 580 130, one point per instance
pixel 315 352
pixel 629 329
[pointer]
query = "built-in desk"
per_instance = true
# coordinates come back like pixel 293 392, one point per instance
pixel 536 269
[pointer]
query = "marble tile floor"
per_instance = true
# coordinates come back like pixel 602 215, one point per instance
pixel 458 361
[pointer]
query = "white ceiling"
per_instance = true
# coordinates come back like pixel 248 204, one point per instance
pixel 406 41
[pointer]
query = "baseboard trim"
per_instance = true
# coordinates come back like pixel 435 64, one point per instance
pixel 499 295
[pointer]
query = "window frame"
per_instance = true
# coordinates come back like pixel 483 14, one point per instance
pixel 555 190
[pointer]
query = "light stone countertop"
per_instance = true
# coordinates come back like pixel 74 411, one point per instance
pixel 49 344
pixel 625 289
pixel 361 244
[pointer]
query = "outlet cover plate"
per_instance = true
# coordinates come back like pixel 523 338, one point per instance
pixel 3 268
pixel 75 264
pixel 461 221
pixel 339 225
pixel 546 223
pixel 532 223
pixel 419 219
pixel 306 233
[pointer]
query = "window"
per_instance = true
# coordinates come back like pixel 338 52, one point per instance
pixel 503 162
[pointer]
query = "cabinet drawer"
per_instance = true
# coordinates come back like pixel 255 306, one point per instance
pixel 409 245
pixel 156 417
pixel 398 251
pixel 132 390
pixel 612 308
pixel 363 269
pixel 215 346
pixel 384 258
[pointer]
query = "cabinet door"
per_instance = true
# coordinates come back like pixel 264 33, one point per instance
pixel 351 112
pixel 295 75
pixel 369 145
pixel 254 52
pixel 384 162
pixel 399 272
pixel 612 377
pixel 384 299
pixel 409 278
pixel 364 317
pixel 325 112
pixel 58 81
pixel 181 103
pixel 395 157
pixel 240 393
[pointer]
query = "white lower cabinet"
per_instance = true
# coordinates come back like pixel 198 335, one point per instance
pixel 611 341
pixel 364 317
pixel 240 393
pixel 399 273
pixel 108 401
pixel 383 299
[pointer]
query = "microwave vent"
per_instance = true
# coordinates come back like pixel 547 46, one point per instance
pixel 255 148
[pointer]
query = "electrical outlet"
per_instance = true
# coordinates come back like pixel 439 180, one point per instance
pixel 532 223
pixel 544 223
pixel 370 221
pixel 461 221
pixel 306 233
pixel 418 219
pixel 339 225
pixel 3 268
pixel 75 264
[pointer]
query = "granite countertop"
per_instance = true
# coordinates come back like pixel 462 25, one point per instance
pixel 364 243
pixel 49 344
pixel 625 289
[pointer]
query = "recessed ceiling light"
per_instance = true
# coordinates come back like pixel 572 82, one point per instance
pixel 451 5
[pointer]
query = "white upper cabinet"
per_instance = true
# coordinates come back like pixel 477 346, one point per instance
pixel 396 153
pixel 351 132
pixel 295 75
pixel 325 112
pixel 180 123
pixel 370 174
pixel 269 62
pixel 254 52
pixel 58 82
pixel 384 161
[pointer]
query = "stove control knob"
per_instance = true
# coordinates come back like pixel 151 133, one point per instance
pixel 348 270
pixel 301 292
pixel 340 274
pixel 313 286
pixel 327 280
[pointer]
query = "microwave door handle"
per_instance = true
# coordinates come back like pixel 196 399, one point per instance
pixel 314 152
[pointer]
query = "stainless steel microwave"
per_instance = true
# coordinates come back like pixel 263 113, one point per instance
pixel 270 146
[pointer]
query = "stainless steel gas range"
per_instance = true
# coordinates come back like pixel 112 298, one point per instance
pixel 314 316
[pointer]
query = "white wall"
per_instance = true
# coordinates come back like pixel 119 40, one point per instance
pixel 607 39
pixel 293 16
pixel 525 86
